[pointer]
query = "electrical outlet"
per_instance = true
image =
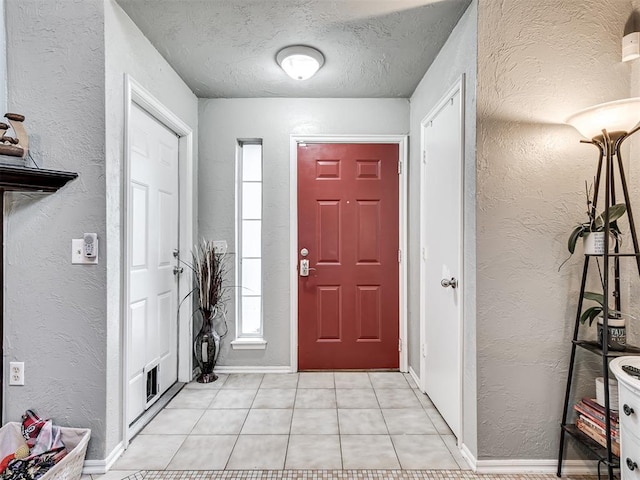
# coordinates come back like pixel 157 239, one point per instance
pixel 16 373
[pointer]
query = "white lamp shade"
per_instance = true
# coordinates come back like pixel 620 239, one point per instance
pixel 618 116
pixel 300 62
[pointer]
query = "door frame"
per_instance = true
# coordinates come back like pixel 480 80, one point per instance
pixel 401 141
pixel 135 93
pixel 458 86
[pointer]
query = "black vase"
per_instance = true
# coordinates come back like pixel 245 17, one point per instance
pixel 206 348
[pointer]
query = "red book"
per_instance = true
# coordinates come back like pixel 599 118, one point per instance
pixel 597 436
pixel 596 417
pixel 595 426
pixel 591 403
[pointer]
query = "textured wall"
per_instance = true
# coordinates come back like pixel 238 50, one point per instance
pixel 128 51
pixel 55 312
pixel 222 122
pixel 537 63
pixel 3 60
pixel 457 57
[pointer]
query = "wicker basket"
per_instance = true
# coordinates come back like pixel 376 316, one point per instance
pixel 75 439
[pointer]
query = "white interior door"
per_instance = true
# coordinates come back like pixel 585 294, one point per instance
pixel 441 272
pixel 152 219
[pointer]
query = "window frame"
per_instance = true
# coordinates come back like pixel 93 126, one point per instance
pixel 241 336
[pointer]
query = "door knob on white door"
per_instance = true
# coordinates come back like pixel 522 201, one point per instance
pixel 453 283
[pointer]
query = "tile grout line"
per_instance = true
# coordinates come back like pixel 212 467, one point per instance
pixel 241 427
pixel 286 452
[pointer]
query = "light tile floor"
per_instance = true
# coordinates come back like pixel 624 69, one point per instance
pixel 306 421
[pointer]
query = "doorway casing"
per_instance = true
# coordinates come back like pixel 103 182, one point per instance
pixel 401 141
pixel 134 93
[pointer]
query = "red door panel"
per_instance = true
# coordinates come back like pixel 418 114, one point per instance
pixel 348 307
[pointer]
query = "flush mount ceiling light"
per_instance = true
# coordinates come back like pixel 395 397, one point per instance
pixel 300 62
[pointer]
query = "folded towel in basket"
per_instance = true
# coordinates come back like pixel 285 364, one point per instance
pixel 46 449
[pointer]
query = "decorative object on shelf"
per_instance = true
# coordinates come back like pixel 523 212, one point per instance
pixel 617 336
pixel 616 333
pixel 613 394
pixel 17 146
pixel 606 126
pixel 592 231
pixel 210 286
pixel 592 312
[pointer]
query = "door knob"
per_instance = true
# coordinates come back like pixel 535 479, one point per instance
pixel 453 283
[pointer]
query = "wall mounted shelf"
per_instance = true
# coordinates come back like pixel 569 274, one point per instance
pixel 26 179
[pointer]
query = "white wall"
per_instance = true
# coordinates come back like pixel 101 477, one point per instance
pixel 222 122
pixel 457 57
pixel 127 51
pixel 55 312
pixel 537 63
pixel 3 60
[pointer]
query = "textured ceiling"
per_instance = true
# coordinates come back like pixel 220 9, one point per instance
pixel 227 48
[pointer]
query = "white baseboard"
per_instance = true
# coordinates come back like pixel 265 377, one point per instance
pixel 469 457
pixel 255 369
pixel 515 466
pixel 415 377
pixel 100 467
pixel 569 467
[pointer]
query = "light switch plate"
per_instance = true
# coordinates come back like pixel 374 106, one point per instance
pixel 77 257
pixel 220 246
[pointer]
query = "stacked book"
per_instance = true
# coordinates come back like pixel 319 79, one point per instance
pixel 591 422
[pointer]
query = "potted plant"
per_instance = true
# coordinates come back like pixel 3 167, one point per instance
pixel 210 287
pixel 616 325
pixel 592 232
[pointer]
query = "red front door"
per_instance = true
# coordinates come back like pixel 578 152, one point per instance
pixel 348 307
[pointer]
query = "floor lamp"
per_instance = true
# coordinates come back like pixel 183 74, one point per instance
pixel 606 126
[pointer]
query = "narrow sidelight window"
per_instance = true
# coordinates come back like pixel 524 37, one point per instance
pixel 249 239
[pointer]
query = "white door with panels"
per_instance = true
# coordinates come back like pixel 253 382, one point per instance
pixel 152 240
pixel 441 265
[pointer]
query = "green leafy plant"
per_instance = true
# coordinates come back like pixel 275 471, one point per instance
pixel 597 225
pixel 592 313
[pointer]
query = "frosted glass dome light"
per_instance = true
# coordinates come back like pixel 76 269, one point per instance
pixel 300 62
pixel 618 116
